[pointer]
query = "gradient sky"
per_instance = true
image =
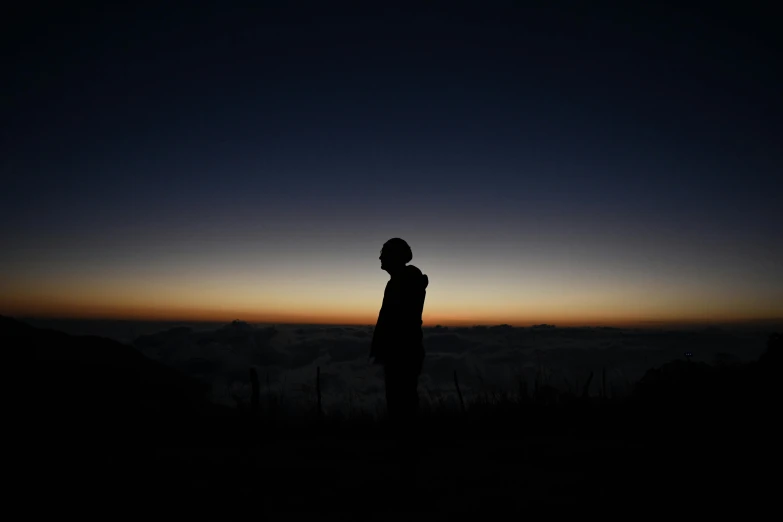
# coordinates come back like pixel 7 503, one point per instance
pixel 573 167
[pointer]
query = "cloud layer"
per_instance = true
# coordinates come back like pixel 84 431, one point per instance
pixel 485 358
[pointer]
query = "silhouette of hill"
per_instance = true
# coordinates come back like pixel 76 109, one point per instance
pixel 89 383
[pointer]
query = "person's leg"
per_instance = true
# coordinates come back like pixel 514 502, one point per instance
pixel 402 393
pixel 395 392
pixel 412 371
pixel 407 434
pixel 411 383
pixel 388 375
pixel 415 383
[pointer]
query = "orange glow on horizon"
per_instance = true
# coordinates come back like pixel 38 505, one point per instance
pixel 150 313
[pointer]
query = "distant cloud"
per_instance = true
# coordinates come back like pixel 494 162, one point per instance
pixel 347 349
pixel 449 343
pixel 483 357
pixel 305 353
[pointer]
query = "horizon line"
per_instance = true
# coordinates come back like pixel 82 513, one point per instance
pixel 641 324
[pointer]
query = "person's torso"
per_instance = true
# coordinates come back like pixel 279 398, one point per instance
pixel 403 303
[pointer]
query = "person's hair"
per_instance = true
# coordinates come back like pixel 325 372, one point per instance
pixel 398 249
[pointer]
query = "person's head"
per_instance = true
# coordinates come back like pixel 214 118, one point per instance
pixel 395 254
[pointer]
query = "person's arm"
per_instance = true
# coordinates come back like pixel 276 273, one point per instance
pixel 381 331
pixel 375 346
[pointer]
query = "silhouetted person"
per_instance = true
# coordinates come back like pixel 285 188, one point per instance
pixel 397 339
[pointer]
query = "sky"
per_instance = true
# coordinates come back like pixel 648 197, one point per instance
pixel 579 166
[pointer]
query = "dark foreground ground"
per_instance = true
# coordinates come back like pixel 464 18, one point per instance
pixel 110 434
pixel 373 476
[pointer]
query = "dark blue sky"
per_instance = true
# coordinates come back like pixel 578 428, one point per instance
pixel 643 141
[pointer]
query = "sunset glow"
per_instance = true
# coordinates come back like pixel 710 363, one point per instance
pixel 204 179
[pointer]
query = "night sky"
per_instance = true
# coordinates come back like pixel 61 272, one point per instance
pixel 579 166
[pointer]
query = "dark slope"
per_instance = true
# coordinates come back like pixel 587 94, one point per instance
pixel 97 391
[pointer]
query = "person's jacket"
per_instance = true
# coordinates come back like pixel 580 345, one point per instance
pixel 398 333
